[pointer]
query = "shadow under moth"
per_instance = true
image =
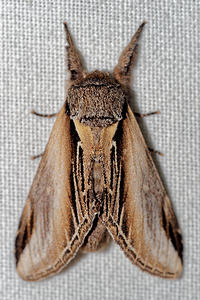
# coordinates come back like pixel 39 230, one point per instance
pixel 97 179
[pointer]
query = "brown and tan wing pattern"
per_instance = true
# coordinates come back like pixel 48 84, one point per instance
pixel 139 214
pixel 55 221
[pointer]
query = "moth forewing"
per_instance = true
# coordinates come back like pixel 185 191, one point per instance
pixel 50 239
pixel 97 176
pixel 142 221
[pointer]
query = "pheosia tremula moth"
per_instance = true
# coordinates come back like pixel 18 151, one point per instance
pixel 96 179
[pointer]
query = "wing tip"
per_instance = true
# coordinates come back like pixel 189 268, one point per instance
pixel 177 271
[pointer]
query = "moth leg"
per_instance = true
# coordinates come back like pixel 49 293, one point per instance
pixel 37 156
pixel 155 152
pixel 43 115
pixel 146 115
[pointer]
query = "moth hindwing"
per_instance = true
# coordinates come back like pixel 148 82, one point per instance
pixel 96 179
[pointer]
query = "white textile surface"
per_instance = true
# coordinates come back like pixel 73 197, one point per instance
pixel 166 78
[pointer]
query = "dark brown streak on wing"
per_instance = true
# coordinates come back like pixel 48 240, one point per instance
pixel 112 158
pixel 172 234
pixel 73 196
pixel 81 169
pixel 73 178
pixel 164 220
pixel 120 177
pixel 115 167
pixel 20 244
pixel 94 225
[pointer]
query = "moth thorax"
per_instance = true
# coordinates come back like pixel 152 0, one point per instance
pixel 96 102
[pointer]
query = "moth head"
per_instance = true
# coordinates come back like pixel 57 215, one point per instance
pixel 98 99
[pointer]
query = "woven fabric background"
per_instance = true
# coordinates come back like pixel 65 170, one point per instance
pixel 166 78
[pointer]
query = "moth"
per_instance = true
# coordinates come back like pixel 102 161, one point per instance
pixel 97 179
